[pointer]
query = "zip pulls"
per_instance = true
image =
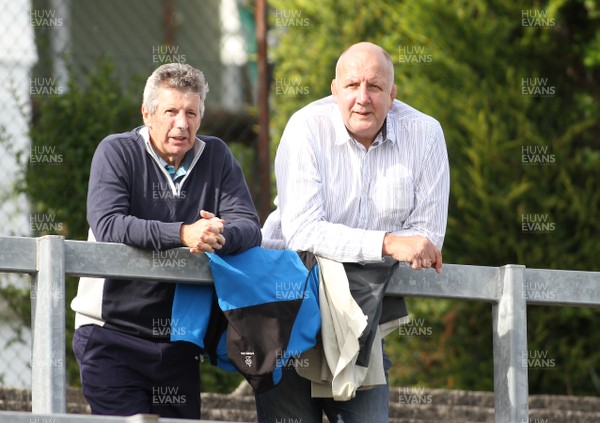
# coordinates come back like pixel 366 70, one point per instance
pixel 175 189
pixel 199 146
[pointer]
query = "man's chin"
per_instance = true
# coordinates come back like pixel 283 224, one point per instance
pixel 368 131
pixel 179 150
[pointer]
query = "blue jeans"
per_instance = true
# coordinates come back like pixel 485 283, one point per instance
pixel 290 401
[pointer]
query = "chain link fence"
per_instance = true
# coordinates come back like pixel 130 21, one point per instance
pixel 47 44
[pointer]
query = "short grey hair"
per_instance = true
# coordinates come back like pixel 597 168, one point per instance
pixel 180 76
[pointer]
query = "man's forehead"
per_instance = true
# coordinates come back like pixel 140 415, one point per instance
pixel 167 95
pixel 166 91
pixel 364 66
pixel 355 73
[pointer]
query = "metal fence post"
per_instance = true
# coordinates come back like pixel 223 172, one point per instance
pixel 511 390
pixel 48 358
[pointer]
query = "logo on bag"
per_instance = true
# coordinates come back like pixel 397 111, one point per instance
pixel 248 359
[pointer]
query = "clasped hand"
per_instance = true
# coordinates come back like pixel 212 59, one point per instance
pixel 204 235
pixel 416 250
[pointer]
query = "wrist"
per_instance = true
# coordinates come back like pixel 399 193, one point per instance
pixel 182 234
pixel 385 247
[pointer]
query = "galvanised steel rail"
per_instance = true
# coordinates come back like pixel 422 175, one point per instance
pixel 508 288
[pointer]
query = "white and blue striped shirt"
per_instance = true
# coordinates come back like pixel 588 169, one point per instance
pixel 337 199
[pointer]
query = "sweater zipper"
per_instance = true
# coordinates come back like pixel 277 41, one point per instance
pixel 176 189
pixel 196 158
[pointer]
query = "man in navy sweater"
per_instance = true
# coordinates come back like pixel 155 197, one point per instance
pixel 157 187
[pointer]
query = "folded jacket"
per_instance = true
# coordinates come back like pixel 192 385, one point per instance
pixel 267 313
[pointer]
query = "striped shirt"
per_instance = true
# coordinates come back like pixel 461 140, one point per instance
pixel 337 199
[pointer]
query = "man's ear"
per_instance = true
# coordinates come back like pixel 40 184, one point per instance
pixel 146 116
pixel 393 94
pixel 333 87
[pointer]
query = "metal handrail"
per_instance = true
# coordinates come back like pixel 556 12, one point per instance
pixel 508 288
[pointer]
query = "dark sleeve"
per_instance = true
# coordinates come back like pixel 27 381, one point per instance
pixel 109 197
pixel 236 208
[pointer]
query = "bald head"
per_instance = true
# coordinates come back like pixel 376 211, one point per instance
pixel 366 52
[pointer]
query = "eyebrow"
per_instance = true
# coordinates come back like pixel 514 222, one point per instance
pixel 374 81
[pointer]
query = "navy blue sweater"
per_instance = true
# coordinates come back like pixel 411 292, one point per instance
pixel 132 200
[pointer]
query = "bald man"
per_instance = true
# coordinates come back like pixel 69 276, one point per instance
pixel 360 176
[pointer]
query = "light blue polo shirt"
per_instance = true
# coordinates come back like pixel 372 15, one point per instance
pixel 183 167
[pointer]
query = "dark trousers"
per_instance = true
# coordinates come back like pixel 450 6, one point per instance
pixel 124 375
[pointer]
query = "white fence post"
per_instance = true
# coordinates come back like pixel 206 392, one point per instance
pixel 511 390
pixel 48 358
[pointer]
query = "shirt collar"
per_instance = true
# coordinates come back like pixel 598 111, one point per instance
pixel 183 167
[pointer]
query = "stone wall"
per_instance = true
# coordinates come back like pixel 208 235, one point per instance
pixel 407 405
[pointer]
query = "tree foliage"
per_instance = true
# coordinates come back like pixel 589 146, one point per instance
pixel 517 91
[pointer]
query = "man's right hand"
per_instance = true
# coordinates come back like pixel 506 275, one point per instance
pixel 416 250
pixel 205 234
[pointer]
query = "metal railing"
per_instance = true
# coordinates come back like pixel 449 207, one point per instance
pixel 22 417
pixel 508 288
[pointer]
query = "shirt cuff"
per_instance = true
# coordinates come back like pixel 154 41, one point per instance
pixel 171 234
pixel 372 246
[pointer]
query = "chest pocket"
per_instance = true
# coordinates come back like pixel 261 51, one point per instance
pixel 392 194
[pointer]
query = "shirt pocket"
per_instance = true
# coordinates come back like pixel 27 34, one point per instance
pixel 392 196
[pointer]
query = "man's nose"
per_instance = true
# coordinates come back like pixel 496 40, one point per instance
pixel 363 94
pixel 181 121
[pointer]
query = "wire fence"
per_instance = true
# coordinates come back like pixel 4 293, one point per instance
pixel 45 44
